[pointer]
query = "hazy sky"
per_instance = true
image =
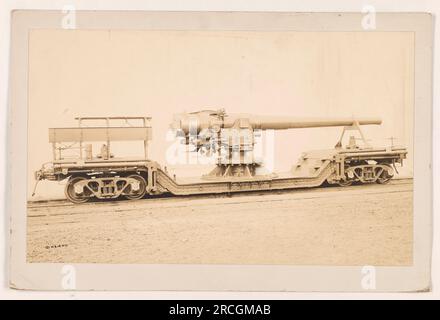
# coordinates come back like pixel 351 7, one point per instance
pixel 159 73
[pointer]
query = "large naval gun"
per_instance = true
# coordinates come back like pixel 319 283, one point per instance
pixel 232 136
pixel 230 139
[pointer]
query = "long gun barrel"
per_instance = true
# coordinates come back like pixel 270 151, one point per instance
pixel 198 121
pixel 280 123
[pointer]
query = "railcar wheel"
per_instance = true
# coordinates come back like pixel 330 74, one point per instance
pixel 139 192
pixel 384 177
pixel 345 183
pixel 73 195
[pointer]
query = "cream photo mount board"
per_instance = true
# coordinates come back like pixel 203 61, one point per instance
pixel 92 275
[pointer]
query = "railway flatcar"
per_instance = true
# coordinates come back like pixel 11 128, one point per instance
pixel 230 138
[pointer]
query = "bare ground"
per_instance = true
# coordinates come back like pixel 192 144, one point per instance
pixel 358 225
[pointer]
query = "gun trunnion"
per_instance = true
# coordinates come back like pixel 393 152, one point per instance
pixel 104 176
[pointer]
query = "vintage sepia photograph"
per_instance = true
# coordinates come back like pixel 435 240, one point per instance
pixel 226 144
pixel 220 147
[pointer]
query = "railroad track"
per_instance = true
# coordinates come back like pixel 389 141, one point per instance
pixel 34 207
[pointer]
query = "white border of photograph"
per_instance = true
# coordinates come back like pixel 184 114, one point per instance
pixel 220 277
